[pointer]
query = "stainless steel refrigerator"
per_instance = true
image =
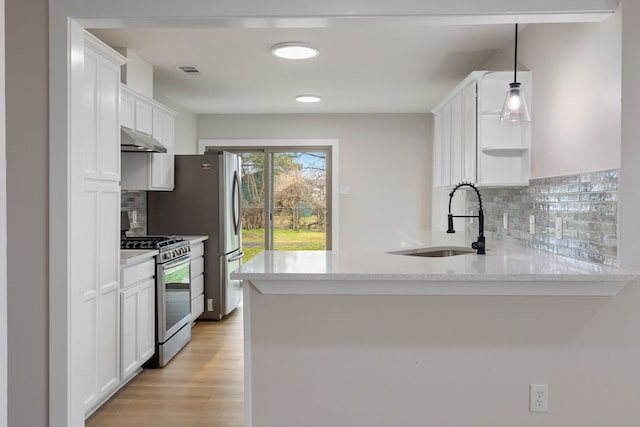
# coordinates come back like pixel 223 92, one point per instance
pixel 206 200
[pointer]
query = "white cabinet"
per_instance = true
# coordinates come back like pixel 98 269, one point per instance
pixel 136 112
pixel 101 87
pixel 197 280
pixel 162 164
pixel 470 145
pixel 130 315
pixel 147 171
pixel 137 299
pixel 127 109
pixel 95 192
pixel 144 117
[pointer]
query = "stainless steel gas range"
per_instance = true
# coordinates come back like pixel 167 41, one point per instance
pixel 173 293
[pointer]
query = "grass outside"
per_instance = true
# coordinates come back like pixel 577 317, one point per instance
pixel 284 240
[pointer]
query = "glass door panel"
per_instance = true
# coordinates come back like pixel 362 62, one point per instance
pixel 285 200
pixel 298 201
pixel 253 203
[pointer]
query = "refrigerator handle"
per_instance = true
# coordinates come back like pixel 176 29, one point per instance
pixel 237 213
pixel 237 257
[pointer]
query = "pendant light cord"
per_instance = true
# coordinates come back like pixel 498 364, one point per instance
pixel 515 57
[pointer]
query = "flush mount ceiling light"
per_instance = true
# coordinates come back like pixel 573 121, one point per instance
pixel 515 109
pixel 294 50
pixel 308 98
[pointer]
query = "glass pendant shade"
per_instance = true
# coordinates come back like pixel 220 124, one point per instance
pixel 515 109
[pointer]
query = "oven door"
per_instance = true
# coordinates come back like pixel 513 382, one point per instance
pixel 174 296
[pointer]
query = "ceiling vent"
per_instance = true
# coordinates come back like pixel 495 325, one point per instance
pixel 189 70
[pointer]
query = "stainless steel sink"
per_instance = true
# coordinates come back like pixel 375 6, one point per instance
pixel 438 252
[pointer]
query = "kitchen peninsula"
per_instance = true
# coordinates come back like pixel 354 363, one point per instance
pixel 378 339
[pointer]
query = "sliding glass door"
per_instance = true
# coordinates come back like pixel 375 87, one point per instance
pixel 286 196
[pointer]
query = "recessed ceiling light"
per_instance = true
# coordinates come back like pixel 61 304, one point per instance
pixel 307 98
pixel 294 50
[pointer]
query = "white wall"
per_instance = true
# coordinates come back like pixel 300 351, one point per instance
pixel 419 361
pixel 576 94
pixel 27 168
pixel 385 159
pixel 629 205
pixel 3 232
pixel 137 73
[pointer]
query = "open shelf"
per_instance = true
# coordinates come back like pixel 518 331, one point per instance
pixel 504 151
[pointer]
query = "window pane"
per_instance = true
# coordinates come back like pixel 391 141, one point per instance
pixel 252 204
pixel 300 200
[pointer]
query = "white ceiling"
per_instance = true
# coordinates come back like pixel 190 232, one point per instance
pixel 360 69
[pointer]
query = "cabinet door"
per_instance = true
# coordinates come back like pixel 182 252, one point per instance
pixel 109 122
pixel 130 331
pixel 446 146
pixel 197 296
pixel 147 325
pixel 437 149
pixel 101 93
pixel 469 137
pixel 127 110
pixel 162 164
pixel 456 139
pixel 143 117
pixel 108 266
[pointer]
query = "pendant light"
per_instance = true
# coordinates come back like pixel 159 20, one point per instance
pixel 515 109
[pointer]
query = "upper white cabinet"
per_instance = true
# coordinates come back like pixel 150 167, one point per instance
pixel 147 171
pixel 101 88
pixel 470 145
pixel 162 163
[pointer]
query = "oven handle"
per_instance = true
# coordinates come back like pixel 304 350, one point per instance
pixel 177 261
pixel 237 257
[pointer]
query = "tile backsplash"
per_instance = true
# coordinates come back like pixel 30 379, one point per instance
pixel 587 203
pixel 135 203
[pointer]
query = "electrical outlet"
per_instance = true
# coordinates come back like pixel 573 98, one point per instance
pixel 344 189
pixel 505 220
pixel 539 397
pixel 532 224
pixel 559 228
pixel 210 304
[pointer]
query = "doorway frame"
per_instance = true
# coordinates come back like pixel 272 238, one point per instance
pixel 62 56
pixel 331 144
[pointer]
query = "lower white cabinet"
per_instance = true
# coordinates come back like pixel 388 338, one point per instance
pixel 197 280
pixel 137 316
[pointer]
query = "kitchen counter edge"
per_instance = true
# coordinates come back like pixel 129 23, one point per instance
pixel 506 270
pixel 130 257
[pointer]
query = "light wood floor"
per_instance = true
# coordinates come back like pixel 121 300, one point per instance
pixel 202 386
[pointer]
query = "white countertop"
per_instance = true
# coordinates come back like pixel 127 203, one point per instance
pixel 504 270
pixel 134 256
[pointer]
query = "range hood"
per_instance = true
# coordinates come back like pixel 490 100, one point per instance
pixel 133 141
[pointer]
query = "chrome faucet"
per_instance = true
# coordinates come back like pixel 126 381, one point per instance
pixel 479 245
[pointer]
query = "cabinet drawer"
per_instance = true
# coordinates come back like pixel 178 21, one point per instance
pixel 197 267
pixel 197 286
pixel 197 307
pixel 135 273
pixel 197 250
